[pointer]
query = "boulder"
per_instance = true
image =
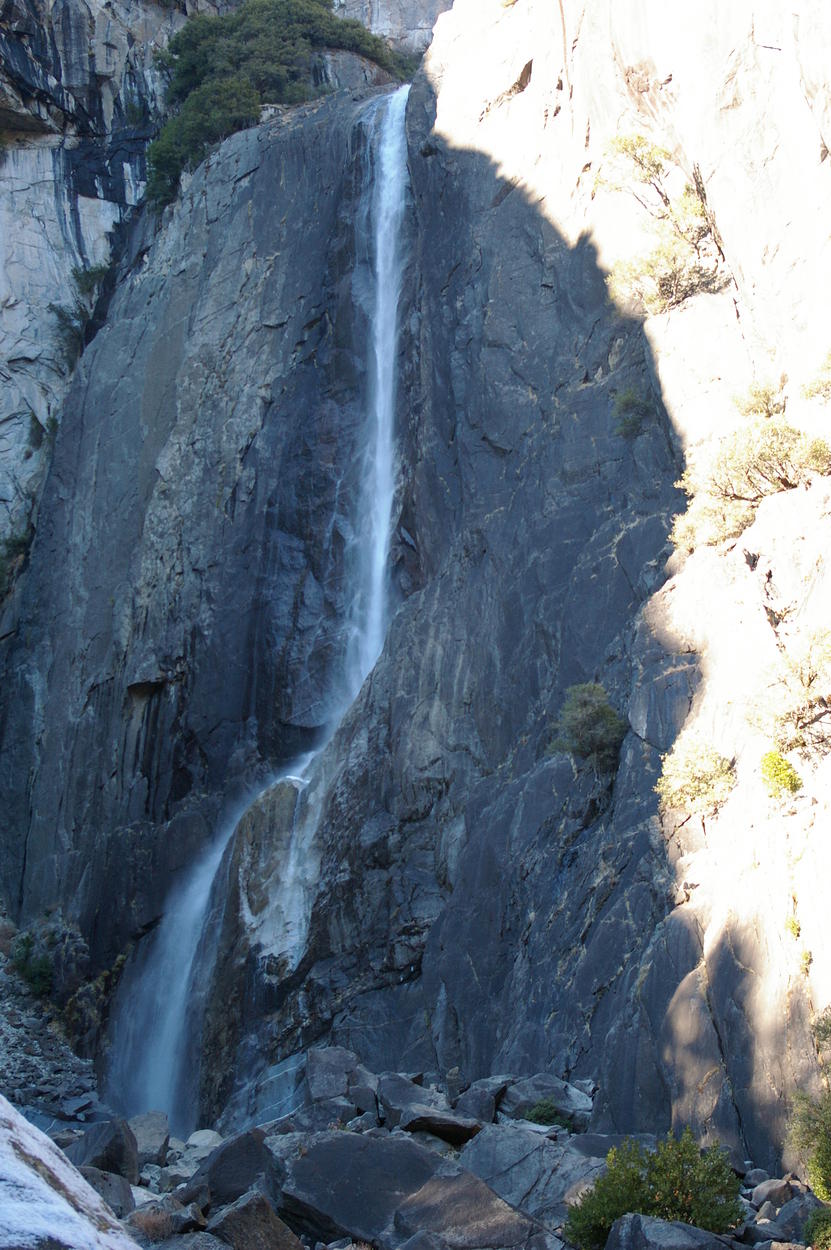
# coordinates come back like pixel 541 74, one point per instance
pixel 328 1069
pixel 793 1215
pixel 755 1177
pixel 644 1232
pixel 116 1191
pixel 388 1189
pixel 152 1134
pixel 571 1103
pixel 477 1103
pixel 777 1191
pixel 463 1212
pixel 109 1146
pixel 340 1184
pixel 450 1127
pixel 531 1172
pixel 241 1162
pixel 763 1230
pixel 251 1223
pixel 397 1095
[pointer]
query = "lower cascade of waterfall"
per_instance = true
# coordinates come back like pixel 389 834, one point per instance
pixel 157 1012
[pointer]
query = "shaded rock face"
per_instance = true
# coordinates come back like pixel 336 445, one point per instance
pixel 239 456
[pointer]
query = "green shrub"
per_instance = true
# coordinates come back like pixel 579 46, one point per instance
pixel 633 411
pixel 809 1134
pixel 34 968
pixel 590 727
pixel 71 322
pixel 676 1182
pixel 546 1112
pixel 223 69
pixel 694 777
pixel 779 774
pixel 817 1230
pixel 87 280
pixel 793 926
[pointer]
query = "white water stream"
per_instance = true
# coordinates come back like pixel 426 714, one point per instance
pixel 158 1008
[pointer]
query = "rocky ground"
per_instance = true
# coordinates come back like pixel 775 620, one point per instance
pixel 380 1159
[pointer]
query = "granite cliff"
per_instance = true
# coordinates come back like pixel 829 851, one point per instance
pixel 482 902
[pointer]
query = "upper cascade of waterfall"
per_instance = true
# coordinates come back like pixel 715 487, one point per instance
pixel 159 1005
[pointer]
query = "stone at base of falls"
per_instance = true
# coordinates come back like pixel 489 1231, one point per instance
pixel 793 1215
pixel 233 1168
pixel 456 1129
pixel 530 1171
pixel 385 1189
pixel 398 1096
pixel 152 1133
pixel 251 1223
pixel 644 1232
pixel 569 1101
pixel 116 1191
pixel 109 1146
pixel 477 1103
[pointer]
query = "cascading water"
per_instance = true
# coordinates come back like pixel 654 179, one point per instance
pixel 158 1007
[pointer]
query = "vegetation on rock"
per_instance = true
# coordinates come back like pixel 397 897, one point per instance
pixel 34 968
pixel 590 727
pixel 809 1134
pixel 794 700
pixel 817 1230
pixel 694 777
pixel 223 69
pixel 675 1182
pixel 779 774
pixel 820 386
pixel 760 458
pixel 633 410
pixel 683 261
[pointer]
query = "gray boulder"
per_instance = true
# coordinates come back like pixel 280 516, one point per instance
pixel 115 1190
pixel 464 1213
pixel 397 1095
pixel 530 1171
pixel 478 1103
pixel 761 1231
pixel 241 1162
pixel 755 1177
pixel 450 1127
pixel 570 1102
pixel 152 1134
pixel 644 1232
pixel 777 1191
pixel 251 1223
pixel 389 1189
pixel 328 1069
pixel 793 1216
pixel 109 1146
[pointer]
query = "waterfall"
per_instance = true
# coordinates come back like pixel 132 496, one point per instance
pixel 158 1007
